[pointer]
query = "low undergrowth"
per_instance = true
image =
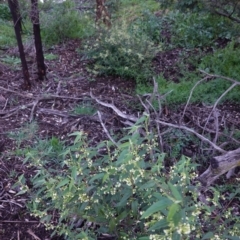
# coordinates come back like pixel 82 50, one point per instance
pixel 71 25
pixel 124 50
pixel 132 190
pixel 7 36
pixel 123 190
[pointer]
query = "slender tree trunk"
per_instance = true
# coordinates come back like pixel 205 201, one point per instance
pixel 102 13
pixel 19 17
pixel 14 8
pixel 37 39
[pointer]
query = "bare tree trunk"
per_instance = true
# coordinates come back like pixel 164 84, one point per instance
pixel 14 8
pixel 37 39
pixel 220 165
pixel 102 13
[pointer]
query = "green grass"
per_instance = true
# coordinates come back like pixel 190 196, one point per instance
pixel 224 61
pixel 131 9
pixel 11 61
pixel 71 25
pixel 85 109
pixel 206 92
pixel 140 5
pixel 7 35
pixel 50 56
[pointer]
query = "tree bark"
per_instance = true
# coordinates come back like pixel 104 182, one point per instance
pixel 102 13
pixel 220 165
pixel 37 40
pixel 14 8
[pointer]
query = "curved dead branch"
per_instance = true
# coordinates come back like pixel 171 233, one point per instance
pixel 219 164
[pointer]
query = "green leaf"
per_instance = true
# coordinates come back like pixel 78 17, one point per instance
pixel 112 225
pixel 46 219
pixel 39 182
pixel 89 189
pixel 123 157
pixel 22 179
pixel 209 235
pixel 21 192
pixel 159 225
pixel 63 182
pixel 158 195
pixel 124 199
pixel 230 237
pixel 172 211
pixel 176 236
pixel 95 177
pixel 105 177
pixel 74 172
pixel 143 238
pixel 142 119
pixel 175 192
pixel 71 184
pixel 160 205
pixel 78 135
pixel 149 184
pixel 134 206
pixel 123 215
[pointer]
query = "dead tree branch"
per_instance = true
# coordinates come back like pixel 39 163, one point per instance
pixel 220 165
pixel 105 129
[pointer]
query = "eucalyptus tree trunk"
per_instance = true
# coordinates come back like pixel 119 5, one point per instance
pixel 14 8
pixel 37 40
pixel 102 13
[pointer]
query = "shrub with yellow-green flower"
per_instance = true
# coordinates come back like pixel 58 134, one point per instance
pixel 123 50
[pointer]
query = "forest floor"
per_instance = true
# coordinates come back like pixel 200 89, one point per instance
pixel 59 106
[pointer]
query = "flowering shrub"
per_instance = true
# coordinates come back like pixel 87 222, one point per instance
pixel 123 50
pixel 83 192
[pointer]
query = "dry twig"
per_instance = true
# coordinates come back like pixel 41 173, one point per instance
pixel 105 129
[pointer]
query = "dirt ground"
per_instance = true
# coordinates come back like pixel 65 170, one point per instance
pixel 50 104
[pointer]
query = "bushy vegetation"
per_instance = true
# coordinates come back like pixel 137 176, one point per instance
pixel 223 61
pixel 132 190
pixel 4 12
pixel 191 30
pixel 63 22
pixel 125 190
pixel 85 108
pixel 124 50
pixel 7 36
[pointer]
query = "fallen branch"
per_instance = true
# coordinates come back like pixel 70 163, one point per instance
pixel 220 165
pixel 44 96
pixel 189 98
pixel 115 109
pixel 33 109
pixel 135 119
pixel 33 234
pixel 105 129
pixel 218 100
pixel 195 133
pixel 219 76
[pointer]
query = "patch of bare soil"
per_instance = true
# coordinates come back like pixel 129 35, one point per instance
pixel 51 105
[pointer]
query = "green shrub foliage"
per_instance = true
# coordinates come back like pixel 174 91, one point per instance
pixel 123 50
pixel 126 191
pixel 63 22
pixel 191 30
pixel 4 12
pixel 224 61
